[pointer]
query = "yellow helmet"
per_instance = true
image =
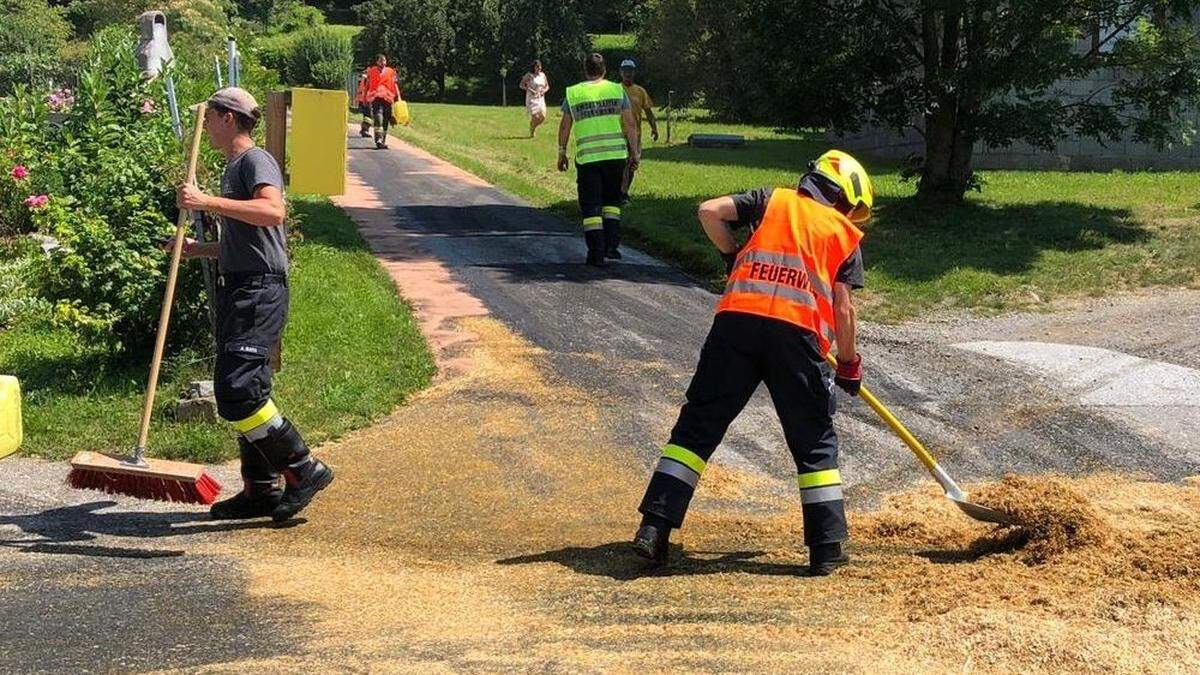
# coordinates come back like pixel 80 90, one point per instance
pixel 851 178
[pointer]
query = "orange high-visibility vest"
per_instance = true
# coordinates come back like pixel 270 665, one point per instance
pixel 361 97
pixel 787 269
pixel 381 84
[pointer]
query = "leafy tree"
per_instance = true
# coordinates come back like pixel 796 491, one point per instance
pixel 415 34
pixel 31 36
pixel 320 58
pixel 1033 71
pixel 544 29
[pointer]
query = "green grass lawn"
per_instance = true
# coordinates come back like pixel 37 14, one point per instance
pixel 352 351
pixel 1029 237
pixel 610 41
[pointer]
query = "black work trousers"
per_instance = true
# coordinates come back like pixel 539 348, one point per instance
pixel 381 111
pixel 251 314
pixel 742 351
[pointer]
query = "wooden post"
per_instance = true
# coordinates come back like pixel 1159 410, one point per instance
pixel 276 131
pixel 275 135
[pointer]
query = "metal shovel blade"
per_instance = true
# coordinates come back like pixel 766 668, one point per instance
pixel 982 513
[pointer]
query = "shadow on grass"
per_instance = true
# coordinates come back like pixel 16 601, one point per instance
pixel 618 562
pixel 784 154
pixel 912 242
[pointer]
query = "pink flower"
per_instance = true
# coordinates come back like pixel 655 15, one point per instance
pixel 148 107
pixel 19 172
pixel 36 201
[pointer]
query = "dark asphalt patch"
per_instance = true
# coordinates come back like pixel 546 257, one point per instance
pixel 67 613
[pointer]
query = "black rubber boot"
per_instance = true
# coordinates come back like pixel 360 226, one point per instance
pixel 823 559
pixel 365 131
pixel 595 247
pixel 260 493
pixel 305 474
pixel 653 539
pixel 612 239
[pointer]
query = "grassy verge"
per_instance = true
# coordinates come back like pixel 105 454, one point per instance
pixel 352 351
pixel 1029 237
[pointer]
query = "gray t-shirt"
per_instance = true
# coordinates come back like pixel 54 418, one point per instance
pixel 246 248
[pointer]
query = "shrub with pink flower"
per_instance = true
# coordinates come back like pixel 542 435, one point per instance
pixel 148 107
pixel 19 172
pixel 60 100
pixel 36 201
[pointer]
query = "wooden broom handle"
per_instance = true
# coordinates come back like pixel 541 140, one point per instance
pixel 164 316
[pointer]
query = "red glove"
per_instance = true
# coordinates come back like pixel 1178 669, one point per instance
pixel 849 375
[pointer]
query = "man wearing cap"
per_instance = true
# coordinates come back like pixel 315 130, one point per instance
pixel 639 103
pixel 252 307
pixel 605 143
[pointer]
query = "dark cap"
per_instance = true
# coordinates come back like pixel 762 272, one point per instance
pixel 235 99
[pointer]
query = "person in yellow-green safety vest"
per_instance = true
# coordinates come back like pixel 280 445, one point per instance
pixel 605 143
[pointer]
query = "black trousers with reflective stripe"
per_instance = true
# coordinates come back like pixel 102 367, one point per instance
pixel 742 351
pixel 599 185
pixel 251 314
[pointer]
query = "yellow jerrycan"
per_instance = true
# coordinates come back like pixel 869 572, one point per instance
pixel 10 415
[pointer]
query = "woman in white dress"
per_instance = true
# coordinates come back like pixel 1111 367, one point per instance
pixel 536 84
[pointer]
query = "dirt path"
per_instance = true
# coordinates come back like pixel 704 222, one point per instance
pixel 483 526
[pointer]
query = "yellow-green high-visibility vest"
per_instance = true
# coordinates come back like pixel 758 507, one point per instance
pixel 596 111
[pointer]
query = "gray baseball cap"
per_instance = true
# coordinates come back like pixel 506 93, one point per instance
pixel 628 64
pixel 235 99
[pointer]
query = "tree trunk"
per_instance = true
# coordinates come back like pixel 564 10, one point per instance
pixel 946 175
pixel 441 84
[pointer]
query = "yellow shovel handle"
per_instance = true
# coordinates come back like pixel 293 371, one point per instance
pixel 900 430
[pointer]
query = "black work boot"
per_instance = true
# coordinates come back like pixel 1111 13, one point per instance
pixel 305 474
pixel 823 559
pixel 653 539
pixel 260 494
pixel 595 247
pixel 365 131
pixel 612 239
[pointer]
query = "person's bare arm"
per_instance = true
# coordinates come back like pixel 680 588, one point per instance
pixel 845 323
pixel 524 84
pixel 715 216
pixel 193 248
pixel 564 137
pixel 653 123
pixel 630 128
pixel 265 209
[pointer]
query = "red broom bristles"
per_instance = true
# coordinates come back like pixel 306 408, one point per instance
pixel 201 491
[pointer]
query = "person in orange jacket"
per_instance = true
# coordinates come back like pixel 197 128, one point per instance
pixel 382 91
pixel 363 105
pixel 786 304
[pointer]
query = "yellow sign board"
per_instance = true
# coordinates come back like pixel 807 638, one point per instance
pixel 318 142
pixel 10 415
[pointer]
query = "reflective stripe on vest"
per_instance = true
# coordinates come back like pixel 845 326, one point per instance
pixel 596 114
pixel 787 269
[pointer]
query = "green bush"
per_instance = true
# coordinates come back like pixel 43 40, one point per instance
pixel 31 35
pixel 321 57
pixel 101 163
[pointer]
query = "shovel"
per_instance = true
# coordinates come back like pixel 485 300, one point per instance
pixel 953 492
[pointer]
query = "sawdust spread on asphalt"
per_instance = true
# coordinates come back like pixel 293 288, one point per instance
pixel 484 527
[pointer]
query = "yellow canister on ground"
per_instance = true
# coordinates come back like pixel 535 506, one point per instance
pixel 10 415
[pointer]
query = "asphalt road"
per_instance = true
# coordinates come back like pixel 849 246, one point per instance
pixel 89 583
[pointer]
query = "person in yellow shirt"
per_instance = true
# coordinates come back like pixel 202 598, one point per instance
pixel 640 103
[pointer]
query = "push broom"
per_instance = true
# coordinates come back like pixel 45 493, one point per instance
pixel 138 475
